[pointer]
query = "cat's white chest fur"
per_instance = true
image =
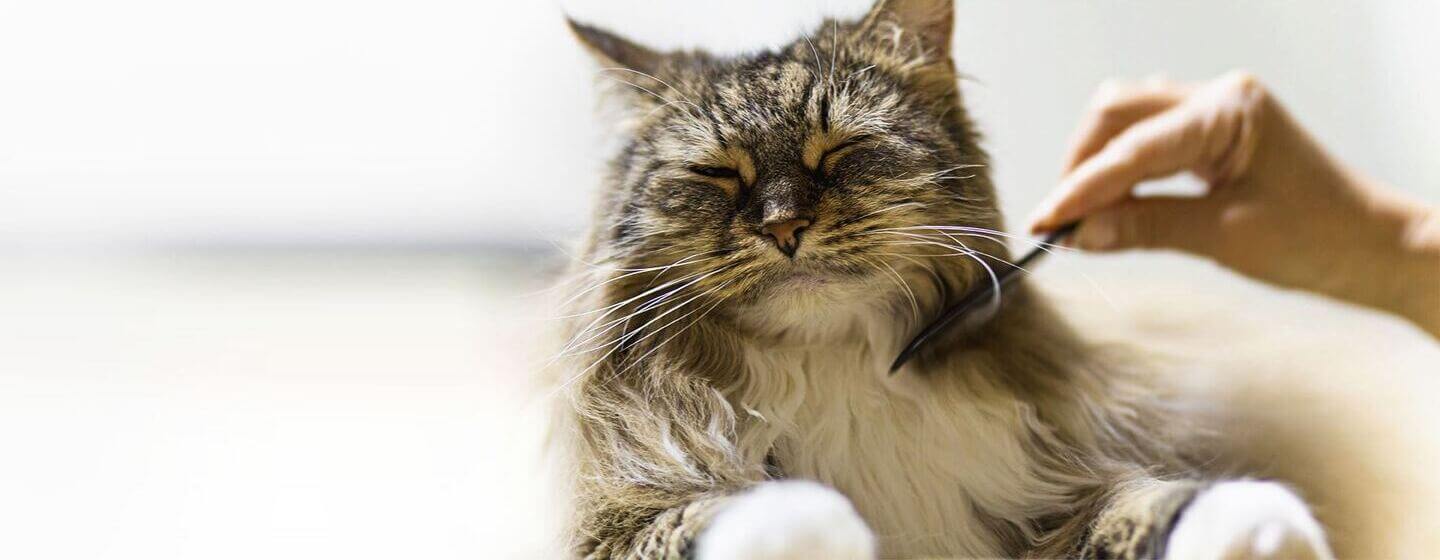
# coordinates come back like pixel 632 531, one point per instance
pixel 917 461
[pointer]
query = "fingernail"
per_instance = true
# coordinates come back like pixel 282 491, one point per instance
pixel 1097 234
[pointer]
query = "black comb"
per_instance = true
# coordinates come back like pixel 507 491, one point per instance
pixel 981 294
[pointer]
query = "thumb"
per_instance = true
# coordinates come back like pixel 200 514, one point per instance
pixel 1186 224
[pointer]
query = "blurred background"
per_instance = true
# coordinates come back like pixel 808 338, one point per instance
pixel 268 268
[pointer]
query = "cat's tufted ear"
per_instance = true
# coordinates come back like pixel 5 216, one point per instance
pixel 932 21
pixel 614 51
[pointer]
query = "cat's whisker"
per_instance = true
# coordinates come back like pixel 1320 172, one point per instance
pixel 892 208
pixel 938 179
pixel 897 280
pixel 653 77
pixel 664 106
pixel 621 323
pixel 962 228
pixel 952 239
pixel 638 87
pixel 920 263
pixel 943 173
pixel 659 271
pixel 819 67
pixel 954 251
pixel 834 51
pixel 914 240
pixel 963 250
pixel 858 72
pixel 664 100
pixel 653 302
pixel 638 360
pixel 662 328
pixel 996 290
pixel 932 239
pixel 914 304
pixel 665 297
pixel 588 332
pixel 1049 247
pixel 630 334
pixel 892 254
pixel 668 267
pixel 966 250
pixel 622 342
pixel 947 253
pixel 950 234
pixel 637 296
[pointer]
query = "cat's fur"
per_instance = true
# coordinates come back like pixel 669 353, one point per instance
pixel 703 365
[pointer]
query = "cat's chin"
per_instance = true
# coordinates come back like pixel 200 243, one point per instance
pixel 805 281
pixel 810 305
pixel 809 287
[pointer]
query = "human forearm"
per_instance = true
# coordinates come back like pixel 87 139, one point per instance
pixel 1396 256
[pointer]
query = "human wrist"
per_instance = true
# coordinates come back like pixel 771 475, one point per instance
pixel 1420 271
pixel 1406 280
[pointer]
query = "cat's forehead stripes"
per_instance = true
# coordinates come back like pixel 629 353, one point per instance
pixel 782 98
pixel 781 106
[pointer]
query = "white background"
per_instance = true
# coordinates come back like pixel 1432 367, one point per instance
pixel 260 295
pixel 461 122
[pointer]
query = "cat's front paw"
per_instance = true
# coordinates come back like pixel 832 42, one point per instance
pixel 1247 520
pixel 784 521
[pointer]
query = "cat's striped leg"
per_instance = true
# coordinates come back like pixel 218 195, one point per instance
pixel 1130 521
pixel 645 533
pixel 1192 520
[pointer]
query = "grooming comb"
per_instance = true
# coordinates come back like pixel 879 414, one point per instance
pixel 976 308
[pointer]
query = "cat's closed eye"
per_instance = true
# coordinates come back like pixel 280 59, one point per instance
pixel 714 172
pixel 835 153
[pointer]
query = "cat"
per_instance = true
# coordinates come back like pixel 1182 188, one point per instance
pixel 773 230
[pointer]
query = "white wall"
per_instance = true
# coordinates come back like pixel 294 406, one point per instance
pixel 464 121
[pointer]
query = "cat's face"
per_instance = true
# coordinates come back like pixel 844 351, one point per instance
pixel 809 169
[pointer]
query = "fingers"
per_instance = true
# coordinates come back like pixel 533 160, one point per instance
pixel 1154 130
pixel 1186 224
pixel 1158 146
pixel 1114 109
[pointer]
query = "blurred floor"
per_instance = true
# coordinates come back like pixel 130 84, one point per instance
pixel 266 406
pixel 373 405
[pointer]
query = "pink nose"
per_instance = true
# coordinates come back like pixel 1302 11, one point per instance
pixel 786 234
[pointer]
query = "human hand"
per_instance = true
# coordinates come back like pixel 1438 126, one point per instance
pixel 1278 209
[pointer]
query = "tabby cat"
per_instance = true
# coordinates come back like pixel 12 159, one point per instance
pixel 776 226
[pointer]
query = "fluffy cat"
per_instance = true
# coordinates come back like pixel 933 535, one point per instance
pixel 775 228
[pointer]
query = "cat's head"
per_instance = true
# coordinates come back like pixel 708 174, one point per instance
pixel 840 166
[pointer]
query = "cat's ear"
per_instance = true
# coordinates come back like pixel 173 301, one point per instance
pixel 932 21
pixel 614 51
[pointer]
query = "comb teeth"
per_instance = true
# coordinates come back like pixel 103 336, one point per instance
pixel 967 306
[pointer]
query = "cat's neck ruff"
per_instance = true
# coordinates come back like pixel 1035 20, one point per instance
pixel 822 405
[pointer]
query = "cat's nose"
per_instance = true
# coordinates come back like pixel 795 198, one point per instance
pixel 786 233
